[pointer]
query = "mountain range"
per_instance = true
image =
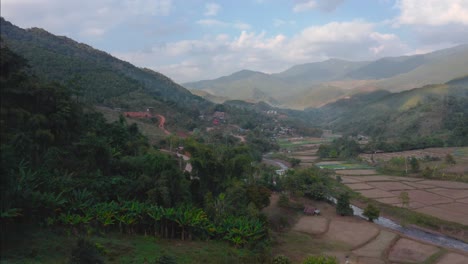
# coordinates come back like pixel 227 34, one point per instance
pixel 316 84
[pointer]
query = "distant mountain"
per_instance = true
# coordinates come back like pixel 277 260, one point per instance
pixel 318 83
pixel 244 85
pixel 427 111
pixel 318 72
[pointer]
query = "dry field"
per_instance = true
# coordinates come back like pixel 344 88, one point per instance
pixel 363 242
pixel 443 199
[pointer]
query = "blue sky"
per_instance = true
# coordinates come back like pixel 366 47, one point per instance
pixel 191 40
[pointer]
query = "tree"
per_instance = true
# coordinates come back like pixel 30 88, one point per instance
pixel 449 159
pixel 342 205
pixel 404 198
pixel 414 164
pixel 371 212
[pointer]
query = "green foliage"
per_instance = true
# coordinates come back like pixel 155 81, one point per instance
pixel 404 199
pixel 414 164
pixel 283 200
pixel 449 159
pixel 372 212
pixel 343 148
pixel 281 259
pixel 312 183
pixel 320 260
pixel 63 165
pixel 343 207
pixel 165 259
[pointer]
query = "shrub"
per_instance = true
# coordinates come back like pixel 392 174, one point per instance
pixel 449 159
pixel 342 205
pixel 371 212
pixel 165 259
pixel 414 164
pixel 283 200
pixel 320 260
pixel 281 259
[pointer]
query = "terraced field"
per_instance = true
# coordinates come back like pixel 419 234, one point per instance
pixel 443 199
pixel 361 241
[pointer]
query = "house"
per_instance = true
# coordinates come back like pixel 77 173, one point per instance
pixel 219 115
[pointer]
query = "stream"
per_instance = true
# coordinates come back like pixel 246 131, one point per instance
pixel 419 234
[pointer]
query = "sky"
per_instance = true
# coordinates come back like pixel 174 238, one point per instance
pixel 190 40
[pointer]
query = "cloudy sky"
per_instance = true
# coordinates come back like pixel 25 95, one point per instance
pixel 191 40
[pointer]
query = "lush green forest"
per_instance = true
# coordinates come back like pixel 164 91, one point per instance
pixel 431 116
pixel 63 165
pixel 66 169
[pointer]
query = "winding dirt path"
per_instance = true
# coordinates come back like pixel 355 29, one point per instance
pixel 162 121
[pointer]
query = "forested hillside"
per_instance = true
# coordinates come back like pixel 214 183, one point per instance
pixel 95 74
pixel 439 112
pixel 64 167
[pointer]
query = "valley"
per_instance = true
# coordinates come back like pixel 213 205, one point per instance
pixel 103 161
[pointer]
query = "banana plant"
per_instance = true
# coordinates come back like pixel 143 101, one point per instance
pixel 156 215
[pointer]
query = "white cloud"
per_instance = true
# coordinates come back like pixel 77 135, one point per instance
pixel 433 12
pixel 86 18
pixel 304 6
pixel 212 9
pixel 217 55
pixel 218 23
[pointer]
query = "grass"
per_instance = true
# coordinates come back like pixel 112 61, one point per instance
pixel 286 144
pixel 44 246
pixel 150 129
pixel 298 245
pixel 344 166
pixel 461 152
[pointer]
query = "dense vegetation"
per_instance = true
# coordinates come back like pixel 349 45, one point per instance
pixel 64 166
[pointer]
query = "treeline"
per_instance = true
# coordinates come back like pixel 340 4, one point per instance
pixel 63 165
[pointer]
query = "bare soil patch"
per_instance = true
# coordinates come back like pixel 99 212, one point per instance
pixel 351 231
pixel 376 247
pixel 349 179
pixel 314 225
pixel 366 260
pixel 444 214
pixel 376 178
pixel 425 197
pixel 406 250
pixel 463 200
pixel 457 169
pixel 391 186
pixel 360 186
pixel 376 193
pixel 450 193
pixel 460 208
pixel 418 185
pixel 453 258
pixel 356 172
pixel 446 184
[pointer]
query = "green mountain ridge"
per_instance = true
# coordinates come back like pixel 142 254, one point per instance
pixel 96 73
pixel 439 110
